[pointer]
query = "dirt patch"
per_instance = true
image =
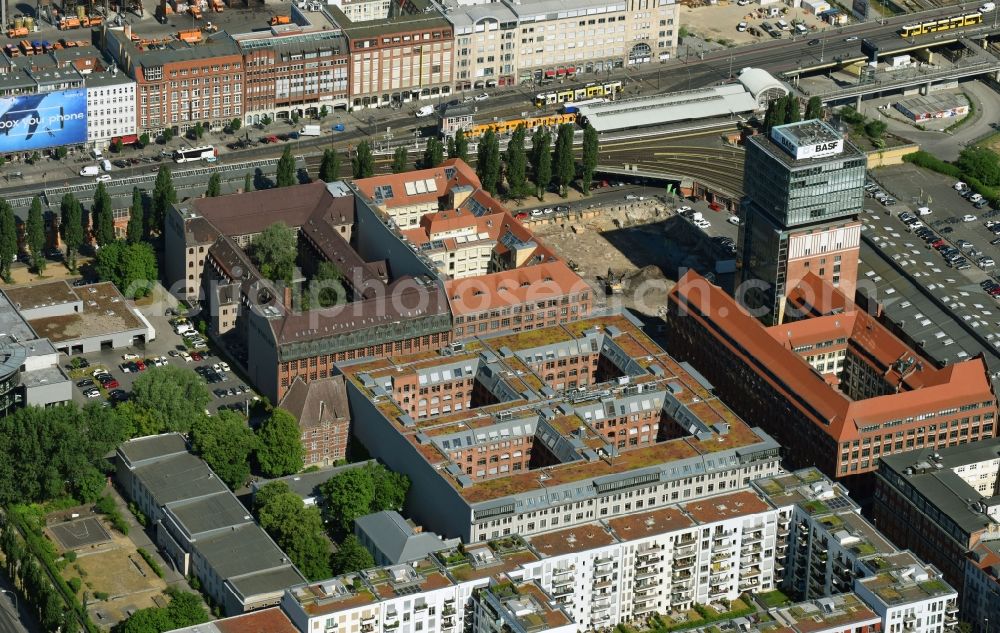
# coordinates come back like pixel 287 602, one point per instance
pixel 120 572
pixel 718 22
pixel 585 243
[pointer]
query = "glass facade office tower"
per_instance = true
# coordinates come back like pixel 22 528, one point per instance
pixel 804 187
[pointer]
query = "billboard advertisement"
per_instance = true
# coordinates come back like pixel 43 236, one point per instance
pixel 35 121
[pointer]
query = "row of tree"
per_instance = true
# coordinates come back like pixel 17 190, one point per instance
pixel 787 109
pixel 547 164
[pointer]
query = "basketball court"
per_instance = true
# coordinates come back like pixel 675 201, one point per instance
pixel 80 533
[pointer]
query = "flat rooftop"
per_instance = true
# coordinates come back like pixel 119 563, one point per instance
pixel 41 295
pixel 178 477
pixel 105 311
pixel 652 380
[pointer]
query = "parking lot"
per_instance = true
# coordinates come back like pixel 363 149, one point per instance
pixel 946 303
pixel 123 366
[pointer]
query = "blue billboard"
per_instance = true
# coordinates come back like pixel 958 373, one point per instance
pixel 34 121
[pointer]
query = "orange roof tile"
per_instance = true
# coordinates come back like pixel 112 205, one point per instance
pixel 464 175
pixel 512 287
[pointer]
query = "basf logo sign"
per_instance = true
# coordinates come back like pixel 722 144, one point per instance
pixel 29 122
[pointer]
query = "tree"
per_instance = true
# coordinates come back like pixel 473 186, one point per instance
pixel 117 145
pixel 351 556
pixel 792 112
pixel 590 154
pixel 274 250
pixel 71 226
pixel 265 120
pixel 214 186
pixel 327 286
pixel 461 145
pixel 235 124
pixel 517 164
pixel 980 163
pixel 135 232
pixel 541 164
pixel 298 531
pixel 775 115
pixel 225 442
pixel 168 135
pixel 359 491
pixel 433 153
pixel 172 397
pixel 185 610
pixel 286 168
pixel 102 217
pixel 164 195
pixel 329 167
pixel 131 267
pixel 363 163
pixel 35 234
pixel 323 112
pixel 399 160
pixel 248 182
pixel 267 492
pixel 143 139
pixel 562 158
pixel 814 108
pixel 8 238
pixel 875 129
pixel 450 147
pixel 488 161
pixel 279 450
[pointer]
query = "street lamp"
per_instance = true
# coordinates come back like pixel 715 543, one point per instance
pixel 13 595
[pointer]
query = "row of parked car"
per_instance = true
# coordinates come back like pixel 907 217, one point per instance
pixel 966 192
pixel 874 191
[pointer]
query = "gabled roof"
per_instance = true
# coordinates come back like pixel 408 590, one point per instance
pixel 396 538
pixel 311 402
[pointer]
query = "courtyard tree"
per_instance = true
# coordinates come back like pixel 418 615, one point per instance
pixel 363 163
pixel 351 556
pixel 516 164
pixel 215 185
pixel 274 251
pixel 71 226
pixel 279 450
pixel 8 238
pixel 172 397
pixel 102 216
pixel 135 231
pixel 298 531
pixel 164 195
pixel 36 235
pixel 329 166
pixel 400 162
pixel 589 160
pixel 285 176
pixel 226 443
pixel 131 267
pixel 488 161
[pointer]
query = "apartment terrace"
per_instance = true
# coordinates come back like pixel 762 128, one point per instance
pixel 840 611
pixel 808 489
pixel 402 580
pixel 487 559
pixel 856 534
pixel 330 596
pixel 635 526
pixel 904 586
pixel 579 538
pixel 722 507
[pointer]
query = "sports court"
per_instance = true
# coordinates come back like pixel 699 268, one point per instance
pixel 80 533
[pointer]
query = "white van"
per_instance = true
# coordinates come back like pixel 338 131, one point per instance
pixel 90 170
pixel 782 25
pixel 987 7
pixel 801 29
pixel 106 165
pixel 427 110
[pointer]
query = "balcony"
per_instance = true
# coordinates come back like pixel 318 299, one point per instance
pixel 951 610
pixel 563 590
pixel 645 563
pixel 448 624
pixel 602 604
pixel 755 536
pixel 562 580
pixel 602 584
pixel 750 573
pixel 721 556
pixel 685 541
pixel 649 608
pixel 648 555
pixel 649 572
pixel 686 550
pixel 684 563
pixel 603 570
pixel 681 576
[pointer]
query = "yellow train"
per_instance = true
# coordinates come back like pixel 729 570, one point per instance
pixel 530 124
pixel 608 89
pixel 942 24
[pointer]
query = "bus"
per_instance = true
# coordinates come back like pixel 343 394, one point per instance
pixel 606 89
pixel 941 24
pixel 194 154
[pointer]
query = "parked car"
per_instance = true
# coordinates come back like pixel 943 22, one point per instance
pixel 968 217
pixel 481 97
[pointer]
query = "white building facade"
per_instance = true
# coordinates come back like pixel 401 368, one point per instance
pixel 111 107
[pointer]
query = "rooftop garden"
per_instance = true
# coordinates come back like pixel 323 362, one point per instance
pixel 863 549
pixel 771 599
pixel 815 506
pixel 934 586
pixel 700 615
pixel 832 522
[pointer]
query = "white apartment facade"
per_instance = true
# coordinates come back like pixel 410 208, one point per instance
pixel 558 39
pixel 485 44
pixel 111 107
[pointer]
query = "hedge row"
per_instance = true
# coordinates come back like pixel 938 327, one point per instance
pixel 929 161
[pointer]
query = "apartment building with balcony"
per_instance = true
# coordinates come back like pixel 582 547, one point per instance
pixel 830 549
pixel 887 400
pixel 522 451
pixel 981 586
pixel 629 568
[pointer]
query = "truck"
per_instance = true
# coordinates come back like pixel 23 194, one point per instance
pixel 310 130
pixel 427 110
pixel 90 170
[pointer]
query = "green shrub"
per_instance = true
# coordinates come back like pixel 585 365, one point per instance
pixel 105 505
pixel 70 556
pixel 119 523
pixel 101 595
pixel 155 566
pixel 74 585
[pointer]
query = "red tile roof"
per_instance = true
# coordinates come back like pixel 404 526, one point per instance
pixel 471 295
pixel 464 175
pixel 271 620
pixel 925 388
